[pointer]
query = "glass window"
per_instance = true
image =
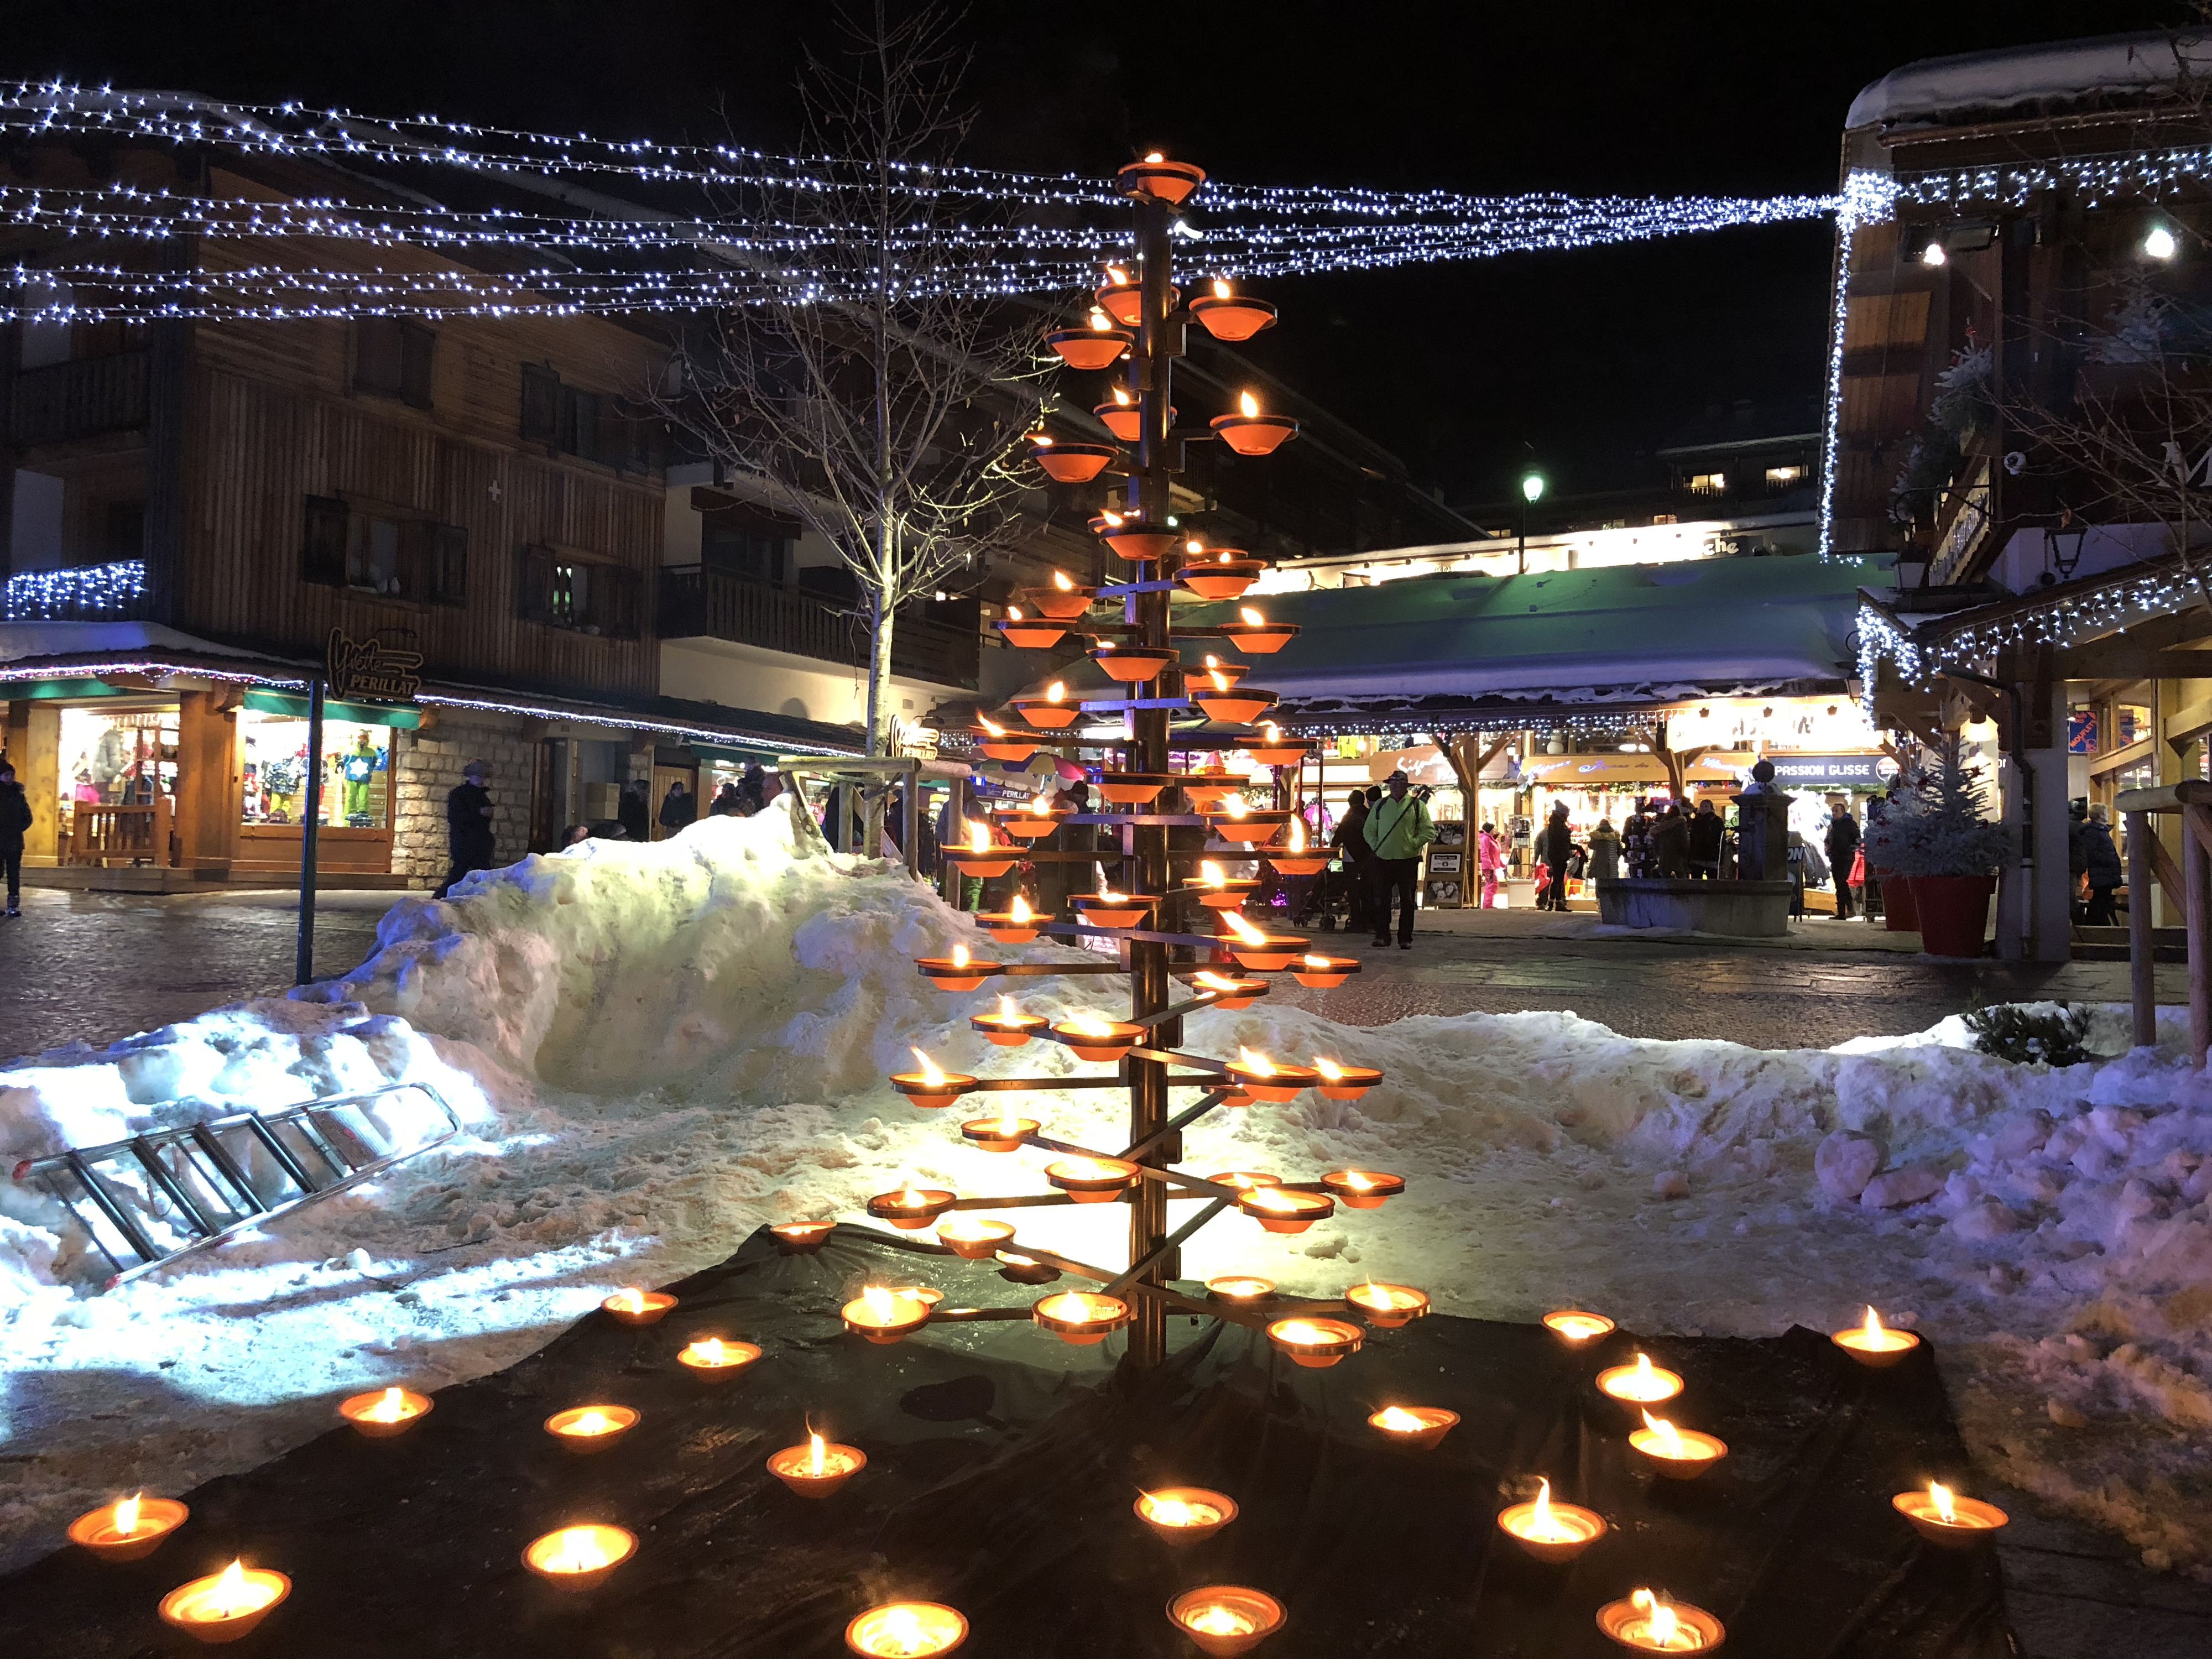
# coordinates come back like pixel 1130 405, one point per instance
pixel 122 758
pixel 357 772
pixel 373 554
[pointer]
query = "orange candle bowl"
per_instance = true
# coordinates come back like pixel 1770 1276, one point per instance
pixel 1277 1084
pixel 1185 1515
pixel 1218 577
pixel 1139 542
pixel 1240 1289
pixel 1231 994
pixel 226 1606
pixel 631 1305
pixel 1025 1270
pixel 1649 1624
pixel 1303 862
pixel 387 1413
pixel 932 1090
pixel 1209 791
pixel 1005 1030
pixel 1014 925
pixel 1874 1344
pixel 1255 435
pixel 1554 1534
pixel 1245 1180
pixel 711 1360
pixel 1059 603
pixel 1237 706
pixel 959 971
pixel 1092 1180
pixel 907 1629
pixel 1949 1520
pixel 1115 909
pixel 1134 664
pixel 1125 301
pixel 1071 462
pixel 982 863
pixel 1047 713
pixel 581 1558
pixel 911 1208
pixel 1339 1081
pixel 1276 752
pixel 1676 1454
pixel 587 1430
pixel 1029 822
pixel 1031 633
pixel 130 1528
pixel 1089 347
pixel 1280 1210
pixel 1316 1344
pixel 1266 953
pixel 885 1316
pixel 817 1468
pixel 801 1237
pixel 1125 421
pixel 972 1239
pixel 1161 180
pixel 1227 894
pixel 1260 637
pixel 1362 1189
pixel 1231 672
pixel 1574 1326
pixel 998 1134
pixel 1636 1386
pixel 1226 1619
pixel 1231 317
pixel 1081 1317
pixel 1107 1039
pixel 1387 1307
pixel 1133 789
pixel 1422 1428
pixel 1324 973
pixel 1250 827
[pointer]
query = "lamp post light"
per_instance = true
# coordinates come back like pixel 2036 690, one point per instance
pixel 1532 491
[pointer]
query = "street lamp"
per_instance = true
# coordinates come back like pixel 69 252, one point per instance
pixel 1532 491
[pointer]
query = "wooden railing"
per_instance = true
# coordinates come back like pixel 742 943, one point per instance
pixel 104 835
pixel 59 402
pixel 697 601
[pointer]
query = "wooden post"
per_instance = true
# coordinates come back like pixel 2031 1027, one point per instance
pixel 2142 970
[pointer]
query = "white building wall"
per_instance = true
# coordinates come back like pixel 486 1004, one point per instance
pixel 776 683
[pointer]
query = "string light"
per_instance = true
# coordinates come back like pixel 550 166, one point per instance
pixel 86 591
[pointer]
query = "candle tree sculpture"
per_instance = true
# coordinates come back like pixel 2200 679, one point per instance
pixel 1157 900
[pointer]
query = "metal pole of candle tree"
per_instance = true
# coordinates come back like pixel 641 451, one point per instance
pixel 1143 802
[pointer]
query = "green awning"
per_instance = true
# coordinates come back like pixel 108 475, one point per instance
pixel 40 691
pixel 294 706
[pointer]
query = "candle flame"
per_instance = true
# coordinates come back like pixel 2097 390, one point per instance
pixel 1249 404
pixel 978 838
pixel 1270 1198
pixel 1059 580
pixel 930 1074
pixel 1398 1421
pixel 1214 983
pixel 1121 397
pixel 1020 911
pixel 1251 616
pixel 578 1550
pixel 1234 807
pixel 990 726
pixel 1168 1511
pixel 1254 1062
pixel 1245 932
pixel 709 1349
pixel 1107 895
pixel 1100 321
pixel 1872 1329
pixel 591 1422
pixel 1945 1511
pixel 1054 693
pixel 1215 1620
pixel 1213 661
pixel 1116 275
pixel 1296 1330
pixel 1220 288
pixel 1010 1126
pixel 1359 1181
pixel 391 1407
pixel 229 1598
pixel 1156 155
pixel 1660 1626
pixel 1007 1011
pixel 815 1447
pixel 1210 873
pixel 911 1198
pixel 1666 1437
pixel 1013 613
pixel 1041 440
pixel 1298 829
pixel 629 1299
pixel 1110 515
pixel 126 1514
pixel 1086 1023
pixel 1543 1527
pixel 1328 1068
pixel 1220 679
pixel 959 956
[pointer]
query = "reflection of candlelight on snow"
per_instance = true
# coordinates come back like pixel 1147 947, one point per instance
pixel 1552 1532
pixel 1184 1515
pixel 1941 1517
pixel 225 1606
pixel 128 1528
pixel 1574 1328
pixel 579 1557
pixel 1874 1344
pixel 1419 1426
pixel 1642 1383
pixel 1678 1454
pixel 1651 1624
pixel 907 1629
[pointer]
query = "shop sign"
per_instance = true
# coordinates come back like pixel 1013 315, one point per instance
pixel 368 671
pixel 1829 771
pixel 2081 732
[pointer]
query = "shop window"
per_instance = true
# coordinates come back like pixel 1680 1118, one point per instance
pixel 384 553
pixel 392 357
pixel 564 590
pixel 123 758
pixel 1784 477
pixel 356 773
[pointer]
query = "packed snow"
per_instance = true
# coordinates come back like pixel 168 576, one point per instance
pixel 655 1050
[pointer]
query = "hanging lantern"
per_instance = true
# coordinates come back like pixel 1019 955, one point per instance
pixel 1229 316
pixel 1250 433
pixel 1162 180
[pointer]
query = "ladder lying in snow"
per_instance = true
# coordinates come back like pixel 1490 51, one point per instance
pixel 166 1195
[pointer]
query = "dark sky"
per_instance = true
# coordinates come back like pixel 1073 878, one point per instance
pixel 1588 354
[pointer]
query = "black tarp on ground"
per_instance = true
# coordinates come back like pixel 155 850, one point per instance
pixel 1002 1466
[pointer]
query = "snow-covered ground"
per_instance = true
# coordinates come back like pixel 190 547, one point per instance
pixel 658 1047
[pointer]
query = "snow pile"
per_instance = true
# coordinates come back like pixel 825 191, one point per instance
pixel 660 1048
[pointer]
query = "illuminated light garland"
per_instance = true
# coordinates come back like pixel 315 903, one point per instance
pixel 17 675
pixel 86 591
pixel 724 736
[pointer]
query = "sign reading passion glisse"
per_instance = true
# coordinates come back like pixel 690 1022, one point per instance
pixel 1816 771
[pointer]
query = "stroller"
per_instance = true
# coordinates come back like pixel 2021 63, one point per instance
pixel 1326 896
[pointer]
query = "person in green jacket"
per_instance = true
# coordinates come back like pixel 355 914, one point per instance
pixel 1397 828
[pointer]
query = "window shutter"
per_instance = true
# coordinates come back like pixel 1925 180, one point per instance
pixel 617 436
pixel 378 355
pixel 417 347
pixel 541 405
pixel 534 585
pixel 323 542
pixel 414 568
pixel 617 601
pixel 449 565
pixel 579 423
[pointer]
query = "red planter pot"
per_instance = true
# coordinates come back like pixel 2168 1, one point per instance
pixel 1954 913
pixel 1897 914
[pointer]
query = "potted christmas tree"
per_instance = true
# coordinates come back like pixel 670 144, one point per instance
pixel 1940 838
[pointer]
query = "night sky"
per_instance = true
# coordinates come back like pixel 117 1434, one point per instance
pixel 1589 356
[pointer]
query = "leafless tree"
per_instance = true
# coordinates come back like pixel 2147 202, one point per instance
pixel 887 421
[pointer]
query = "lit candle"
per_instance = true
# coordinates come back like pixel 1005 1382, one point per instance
pixel 1941 1517
pixel 383 1413
pixel 1094 1038
pixel 957 972
pixel 225 1606
pixel 972 1240
pixel 1232 994
pixel 713 1360
pixel 1874 1344
pixel 1091 1180
pixel 1387 1306
pixel 929 1086
pixel 801 1237
pixel 129 1528
pixel 1081 1317
pixel 1551 1532
pixel 884 1315
pixel 1267 1079
pixel 1278 1211
pixel 1240 1287
pixel 1184 1515
pixel 1226 1619
pixel 1574 1328
pixel 999 1134
pixel 1678 1454
pixel 633 1306
pixel 1419 1426
pixel 907 1629
pixel 1640 1385
pixel 587 1429
pixel 1651 1624
pixel 1362 1189
pixel 1009 1028
pixel 1315 1343
pixel 579 1557
pixel 911 1208
pixel 818 1468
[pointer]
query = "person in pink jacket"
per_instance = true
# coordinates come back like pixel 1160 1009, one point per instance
pixel 1491 858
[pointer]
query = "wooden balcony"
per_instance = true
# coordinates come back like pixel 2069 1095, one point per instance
pixel 697 601
pixel 63 403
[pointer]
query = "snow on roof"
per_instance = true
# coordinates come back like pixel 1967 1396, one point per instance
pixel 2059 72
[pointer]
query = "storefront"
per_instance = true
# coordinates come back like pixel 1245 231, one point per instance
pixel 361 759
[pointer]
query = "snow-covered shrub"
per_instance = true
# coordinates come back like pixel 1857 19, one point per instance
pixel 2027 1035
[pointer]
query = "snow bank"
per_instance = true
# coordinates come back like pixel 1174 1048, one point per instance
pixel 660 1048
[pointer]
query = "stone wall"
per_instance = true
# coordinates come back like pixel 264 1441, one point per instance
pixel 429 766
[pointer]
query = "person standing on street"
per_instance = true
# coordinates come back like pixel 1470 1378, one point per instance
pixel 1397 828
pixel 679 808
pixel 1491 858
pixel 1842 842
pixel 1604 852
pixel 468 823
pixel 1555 845
pixel 1350 842
pixel 15 824
pixel 1706 831
pixel 1670 844
pixel 2105 871
pixel 634 812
